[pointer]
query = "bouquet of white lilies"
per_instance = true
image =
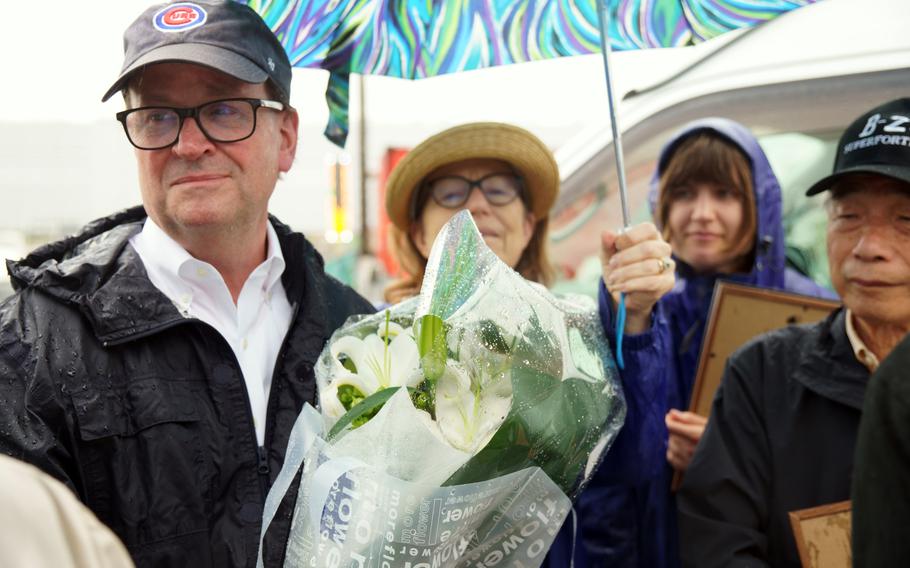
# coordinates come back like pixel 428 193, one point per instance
pixel 453 427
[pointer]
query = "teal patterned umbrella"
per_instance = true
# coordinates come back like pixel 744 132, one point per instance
pixel 413 39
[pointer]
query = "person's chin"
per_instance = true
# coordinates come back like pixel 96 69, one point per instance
pixel 493 241
pixel 199 214
pixel 702 259
pixel 876 295
pixel 880 310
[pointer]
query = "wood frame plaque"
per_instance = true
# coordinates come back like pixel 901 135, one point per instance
pixel 738 314
pixel 823 535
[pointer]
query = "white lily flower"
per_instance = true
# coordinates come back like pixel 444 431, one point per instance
pixel 378 364
pixel 469 411
pixel 424 418
pixel 328 398
pixel 394 330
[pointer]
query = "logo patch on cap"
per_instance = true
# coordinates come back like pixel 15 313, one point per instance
pixel 894 129
pixel 179 17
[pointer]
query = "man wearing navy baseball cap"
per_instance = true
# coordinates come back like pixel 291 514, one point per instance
pixel 157 361
pixel 785 419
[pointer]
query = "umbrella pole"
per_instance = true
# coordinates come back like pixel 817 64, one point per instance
pixel 362 158
pixel 603 19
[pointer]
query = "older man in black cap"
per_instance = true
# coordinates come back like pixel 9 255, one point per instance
pixel 156 362
pixel 784 421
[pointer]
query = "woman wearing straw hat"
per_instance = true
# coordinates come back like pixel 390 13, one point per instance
pixel 516 179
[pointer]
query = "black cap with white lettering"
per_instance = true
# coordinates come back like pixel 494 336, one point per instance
pixel 227 36
pixel 878 142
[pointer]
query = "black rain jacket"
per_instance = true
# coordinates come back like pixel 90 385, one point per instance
pixel 781 435
pixel 143 412
pixel 881 481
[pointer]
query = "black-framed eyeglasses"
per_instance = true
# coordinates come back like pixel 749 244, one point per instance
pixel 224 120
pixel 452 192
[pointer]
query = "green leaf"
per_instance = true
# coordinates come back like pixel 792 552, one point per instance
pixel 540 347
pixel 492 338
pixel 423 397
pixel 347 362
pixel 431 345
pixel 552 424
pixel 458 271
pixel 370 404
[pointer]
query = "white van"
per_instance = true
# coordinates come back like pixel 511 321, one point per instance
pixel 794 93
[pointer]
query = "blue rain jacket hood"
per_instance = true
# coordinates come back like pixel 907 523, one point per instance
pixel 688 304
pixel 770 253
pixel 628 514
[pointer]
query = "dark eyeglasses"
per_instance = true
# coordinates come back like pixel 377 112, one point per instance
pixel 225 120
pixel 453 192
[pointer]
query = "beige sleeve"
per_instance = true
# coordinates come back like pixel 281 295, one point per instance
pixel 42 524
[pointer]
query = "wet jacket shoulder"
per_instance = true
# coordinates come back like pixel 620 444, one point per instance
pixel 142 412
pixel 780 438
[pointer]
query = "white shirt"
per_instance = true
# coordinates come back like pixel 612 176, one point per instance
pixel 863 354
pixel 254 328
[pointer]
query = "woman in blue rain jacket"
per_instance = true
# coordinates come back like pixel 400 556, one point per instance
pixel 718 203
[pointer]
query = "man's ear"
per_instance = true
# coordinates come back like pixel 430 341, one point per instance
pixel 288 132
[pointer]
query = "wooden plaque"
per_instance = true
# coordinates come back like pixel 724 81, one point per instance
pixel 823 535
pixel 739 313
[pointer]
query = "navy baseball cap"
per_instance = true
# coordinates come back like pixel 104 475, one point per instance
pixel 878 142
pixel 226 36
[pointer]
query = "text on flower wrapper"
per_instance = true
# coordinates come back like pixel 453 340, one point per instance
pixel 388 549
pixel 502 550
pixel 421 557
pixel 459 513
pixel 527 537
pixel 366 523
pixel 347 493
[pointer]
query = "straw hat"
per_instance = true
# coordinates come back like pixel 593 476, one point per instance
pixel 493 140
